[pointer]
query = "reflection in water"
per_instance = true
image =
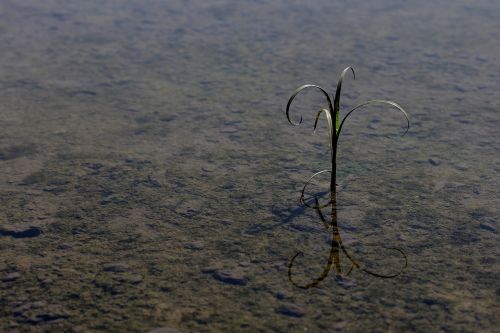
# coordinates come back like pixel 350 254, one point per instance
pixel 336 248
pixel 332 113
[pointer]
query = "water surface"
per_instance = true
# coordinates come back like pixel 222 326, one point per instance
pixel 149 177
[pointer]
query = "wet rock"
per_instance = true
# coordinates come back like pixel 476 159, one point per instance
pixel 487 227
pixel 83 93
pixel 115 200
pixel 10 277
pixel 166 119
pixel 281 295
pixel 245 264
pixel 93 166
pixel 209 168
pixel 13 152
pixel 20 231
pixel 209 269
pixel 188 208
pixel 147 182
pixel 291 310
pixel 229 129
pixel 434 161
pixel 194 246
pixel 46 316
pixel 53 190
pixel 64 246
pixel 430 301
pixel 165 330
pixel 226 222
pixel 343 282
pixel 230 276
pixel 116 267
pixel 476 189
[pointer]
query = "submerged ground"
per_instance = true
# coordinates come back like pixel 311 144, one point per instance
pixel 149 178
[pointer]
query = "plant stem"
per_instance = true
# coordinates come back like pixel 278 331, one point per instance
pixel 334 138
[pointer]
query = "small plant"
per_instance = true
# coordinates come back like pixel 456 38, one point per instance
pixel 332 113
pixel 335 126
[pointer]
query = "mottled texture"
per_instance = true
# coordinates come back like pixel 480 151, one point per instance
pixel 147 141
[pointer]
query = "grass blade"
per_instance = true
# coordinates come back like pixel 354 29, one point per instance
pixel 330 124
pixel 377 101
pixel 336 101
pixel 296 92
pixel 302 195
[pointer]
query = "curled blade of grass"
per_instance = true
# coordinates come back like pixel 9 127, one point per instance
pixel 336 101
pixel 330 124
pixel 377 101
pixel 302 195
pixel 296 92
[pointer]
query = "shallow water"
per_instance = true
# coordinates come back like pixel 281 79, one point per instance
pixel 149 177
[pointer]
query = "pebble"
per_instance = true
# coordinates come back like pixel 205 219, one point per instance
pixel 430 301
pixel 229 129
pixel 194 246
pixel 64 246
pixel 208 269
pixel 116 267
pixel 226 222
pixel 244 263
pixel 345 283
pixel 281 295
pixel 11 277
pixel 434 161
pixel 488 227
pixel 209 168
pixel 291 310
pixel 20 231
pixel 230 276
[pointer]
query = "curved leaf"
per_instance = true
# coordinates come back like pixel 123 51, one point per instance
pixel 330 125
pixel 336 101
pixel 304 189
pixel 374 101
pixel 296 92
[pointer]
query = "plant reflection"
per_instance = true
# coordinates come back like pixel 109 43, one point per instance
pixel 336 248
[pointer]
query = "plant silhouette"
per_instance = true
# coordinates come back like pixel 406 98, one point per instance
pixel 332 113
